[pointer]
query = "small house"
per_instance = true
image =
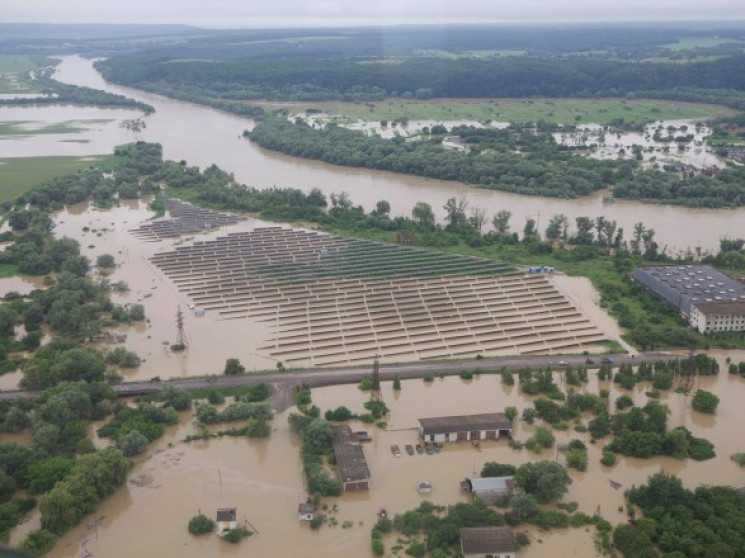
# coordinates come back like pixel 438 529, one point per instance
pixel 488 426
pixel 487 542
pixel 226 520
pixel 305 512
pixel 489 489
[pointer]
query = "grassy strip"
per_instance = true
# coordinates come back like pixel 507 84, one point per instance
pixel 556 111
pixel 20 174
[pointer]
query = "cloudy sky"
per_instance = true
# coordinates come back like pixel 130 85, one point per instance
pixel 258 13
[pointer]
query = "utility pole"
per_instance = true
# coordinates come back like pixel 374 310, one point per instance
pixel 375 393
pixel 180 333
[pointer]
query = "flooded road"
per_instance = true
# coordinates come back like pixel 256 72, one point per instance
pixel 202 136
pixel 263 478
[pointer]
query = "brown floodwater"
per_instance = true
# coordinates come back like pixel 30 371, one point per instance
pixel 210 341
pixel 203 136
pixel 263 478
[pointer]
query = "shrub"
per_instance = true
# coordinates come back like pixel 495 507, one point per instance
pixel 105 261
pixel 38 543
pixel 608 459
pixel 236 535
pixel 705 401
pixel 201 525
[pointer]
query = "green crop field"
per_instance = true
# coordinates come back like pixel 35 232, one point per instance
pixel 13 70
pixel 18 175
pixel 559 111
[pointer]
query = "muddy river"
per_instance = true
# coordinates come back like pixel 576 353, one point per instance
pixel 263 479
pixel 203 136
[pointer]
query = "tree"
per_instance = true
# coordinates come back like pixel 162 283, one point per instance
pixel 494 469
pixel 476 217
pixel 105 261
pixel 510 413
pixel 422 213
pixel 705 401
pixel 456 213
pixel 132 443
pixel 557 227
pixel 7 486
pixel 522 505
pixel 43 475
pixel 584 233
pixel 233 367
pixel 201 525
pixel 501 221
pixel 676 443
pixel 382 207
pixel 546 480
pixel 38 542
pixel 530 234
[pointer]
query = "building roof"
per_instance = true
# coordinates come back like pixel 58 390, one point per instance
pixel 226 514
pixel 697 283
pixel 446 425
pixel 350 458
pixel 491 484
pixel 721 309
pixel 486 540
pixel 306 508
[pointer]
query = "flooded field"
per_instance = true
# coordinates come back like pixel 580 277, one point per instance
pixel 258 340
pixel 263 478
pixel 63 130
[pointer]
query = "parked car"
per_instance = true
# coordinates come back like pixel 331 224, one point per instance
pixel 589 361
pixel 563 363
pixel 607 360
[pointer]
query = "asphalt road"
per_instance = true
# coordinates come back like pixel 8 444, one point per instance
pixel 314 377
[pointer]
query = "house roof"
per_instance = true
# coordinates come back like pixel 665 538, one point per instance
pixel 491 484
pixel 306 508
pixel 350 459
pixel 486 540
pixel 446 425
pixel 226 514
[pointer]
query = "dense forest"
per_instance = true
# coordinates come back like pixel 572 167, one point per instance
pixel 522 158
pixel 336 77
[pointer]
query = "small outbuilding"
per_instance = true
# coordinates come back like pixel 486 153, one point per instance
pixel 226 520
pixel 350 459
pixel 487 542
pixel 306 511
pixel 489 489
pixel 487 426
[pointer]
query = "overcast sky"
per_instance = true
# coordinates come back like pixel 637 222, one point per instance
pixel 260 13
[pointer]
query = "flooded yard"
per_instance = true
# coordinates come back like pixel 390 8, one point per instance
pixel 263 478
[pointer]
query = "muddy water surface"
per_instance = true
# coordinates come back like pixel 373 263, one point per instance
pixel 263 478
pixel 210 341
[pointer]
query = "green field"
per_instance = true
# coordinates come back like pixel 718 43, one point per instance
pixel 18 175
pixel 483 54
pixel 13 70
pixel 16 128
pixel 558 111
pixel 701 42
